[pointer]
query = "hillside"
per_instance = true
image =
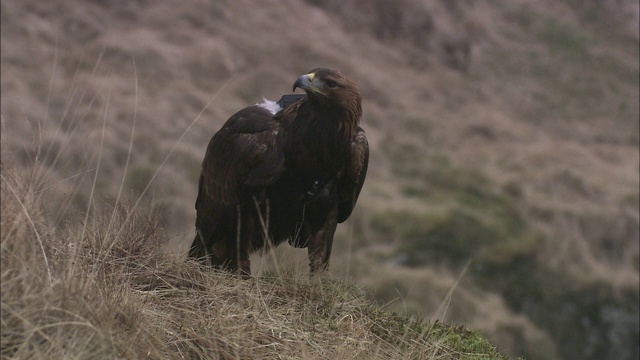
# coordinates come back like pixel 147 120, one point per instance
pixel 505 134
pixel 100 289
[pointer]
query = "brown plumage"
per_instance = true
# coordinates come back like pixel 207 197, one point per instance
pixel 290 176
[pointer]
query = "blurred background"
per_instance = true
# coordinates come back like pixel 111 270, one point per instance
pixel 503 183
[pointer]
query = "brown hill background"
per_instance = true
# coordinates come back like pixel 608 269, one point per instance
pixel 503 185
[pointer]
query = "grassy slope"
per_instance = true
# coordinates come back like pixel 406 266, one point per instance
pixel 101 291
pixel 522 158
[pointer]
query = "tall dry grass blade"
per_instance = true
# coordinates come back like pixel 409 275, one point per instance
pixel 55 184
pixel 444 306
pixel 74 124
pixel 133 129
pixel 349 249
pixel 268 244
pixel 93 185
pixel 67 109
pixel 36 169
pixel 404 302
pixel 173 148
pixel 33 227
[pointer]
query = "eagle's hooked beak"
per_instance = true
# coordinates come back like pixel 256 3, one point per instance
pixel 306 82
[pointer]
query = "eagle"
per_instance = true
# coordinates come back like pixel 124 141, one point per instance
pixel 279 172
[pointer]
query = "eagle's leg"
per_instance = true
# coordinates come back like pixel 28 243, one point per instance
pixel 208 252
pixel 237 260
pixel 319 246
pixel 218 254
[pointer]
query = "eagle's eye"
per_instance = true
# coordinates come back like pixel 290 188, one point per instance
pixel 330 84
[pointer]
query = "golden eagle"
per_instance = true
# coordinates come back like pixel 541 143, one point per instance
pixel 273 174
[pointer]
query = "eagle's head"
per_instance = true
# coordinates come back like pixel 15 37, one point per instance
pixel 332 89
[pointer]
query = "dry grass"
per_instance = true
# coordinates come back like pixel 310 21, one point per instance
pixel 102 289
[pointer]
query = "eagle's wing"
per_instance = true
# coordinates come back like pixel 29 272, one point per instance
pixel 350 184
pixel 243 154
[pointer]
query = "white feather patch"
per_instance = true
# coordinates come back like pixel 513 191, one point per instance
pixel 270 106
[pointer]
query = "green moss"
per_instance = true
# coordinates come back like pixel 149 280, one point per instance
pixel 467 344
